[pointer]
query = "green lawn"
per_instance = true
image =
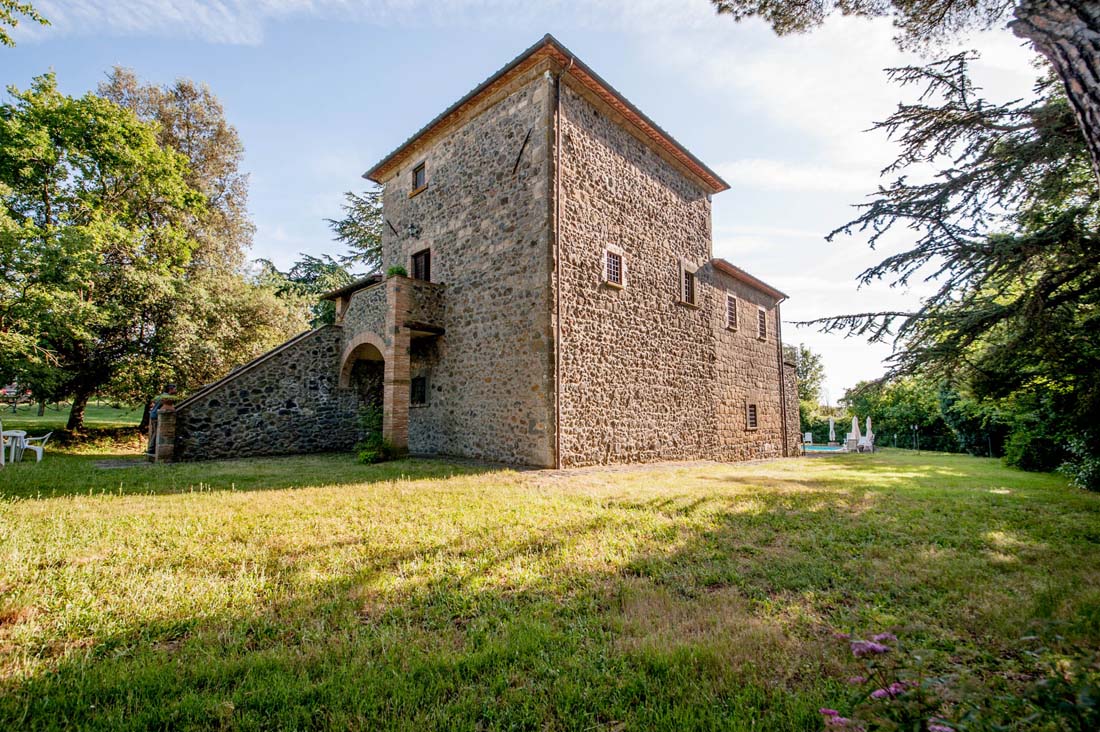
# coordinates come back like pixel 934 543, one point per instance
pixel 314 592
pixel 96 416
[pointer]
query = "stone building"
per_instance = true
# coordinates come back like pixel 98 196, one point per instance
pixel 563 307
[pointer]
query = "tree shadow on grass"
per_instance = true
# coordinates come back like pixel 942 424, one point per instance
pixel 635 617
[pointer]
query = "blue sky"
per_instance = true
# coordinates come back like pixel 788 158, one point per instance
pixel 321 89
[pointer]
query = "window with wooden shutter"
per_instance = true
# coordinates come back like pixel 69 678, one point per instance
pixel 731 312
pixel 422 265
pixel 751 416
pixel 762 324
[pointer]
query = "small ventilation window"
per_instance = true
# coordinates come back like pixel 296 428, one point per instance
pixel 751 416
pixel 614 268
pixel 731 312
pixel 762 324
pixel 418 391
pixel 422 265
pixel 688 294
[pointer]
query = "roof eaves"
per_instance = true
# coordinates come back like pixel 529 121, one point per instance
pixel 739 274
pixel 373 172
pixel 712 179
pixel 359 284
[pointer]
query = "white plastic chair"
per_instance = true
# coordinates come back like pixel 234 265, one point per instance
pixel 808 438
pixel 867 444
pixel 38 444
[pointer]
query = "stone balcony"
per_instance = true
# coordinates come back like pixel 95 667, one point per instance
pixel 424 307
pixel 401 301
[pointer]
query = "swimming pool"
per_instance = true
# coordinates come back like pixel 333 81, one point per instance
pixel 823 448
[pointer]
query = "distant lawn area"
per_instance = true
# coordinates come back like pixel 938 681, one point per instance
pixel 313 592
pixel 106 427
pixel 95 416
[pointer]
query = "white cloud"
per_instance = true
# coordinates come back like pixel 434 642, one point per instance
pixel 244 21
pixel 769 231
pixel 782 175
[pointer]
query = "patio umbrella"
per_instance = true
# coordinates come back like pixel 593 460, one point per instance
pixel 869 425
pixel 855 429
pixel 832 430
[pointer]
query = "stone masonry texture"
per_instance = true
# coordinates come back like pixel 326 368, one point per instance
pixel 287 403
pixel 644 376
pixel 527 354
pixel 484 217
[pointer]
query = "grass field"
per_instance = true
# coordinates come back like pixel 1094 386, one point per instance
pixel 313 592
pixel 106 428
pixel 96 416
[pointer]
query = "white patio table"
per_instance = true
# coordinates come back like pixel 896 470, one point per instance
pixel 16 437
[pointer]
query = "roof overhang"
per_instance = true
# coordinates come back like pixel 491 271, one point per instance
pixel 359 284
pixel 548 48
pixel 741 275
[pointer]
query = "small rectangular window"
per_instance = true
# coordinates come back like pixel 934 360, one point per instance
pixel 420 177
pixel 731 312
pixel 418 391
pixel 614 266
pixel 422 265
pixel 689 287
pixel 750 416
pixel 762 324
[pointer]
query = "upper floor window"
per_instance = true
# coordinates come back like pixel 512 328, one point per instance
pixel 731 312
pixel 614 267
pixel 422 265
pixel 687 283
pixel 419 177
pixel 762 324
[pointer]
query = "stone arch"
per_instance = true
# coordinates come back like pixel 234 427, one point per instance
pixel 364 346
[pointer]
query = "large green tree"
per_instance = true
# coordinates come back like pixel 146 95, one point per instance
pixel 360 229
pixel 10 12
pixel 307 279
pixel 223 317
pixel 1065 32
pixel 99 242
pixel 1009 228
pixel 810 369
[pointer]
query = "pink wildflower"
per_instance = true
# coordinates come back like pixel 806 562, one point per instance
pixel 856 680
pixel 862 648
pixel 842 636
pixel 885 637
pixel 935 727
pixel 895 689
pixel 828 712
pixel 837 722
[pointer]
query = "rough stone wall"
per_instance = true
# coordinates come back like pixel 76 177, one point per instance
pixel 645 377
pixel 747 372
pixel 287 402
pixel 485 217
pixel 428 302
pixel 794 422
pixel 366 312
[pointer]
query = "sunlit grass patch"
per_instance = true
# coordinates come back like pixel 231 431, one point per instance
pixel 314 592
